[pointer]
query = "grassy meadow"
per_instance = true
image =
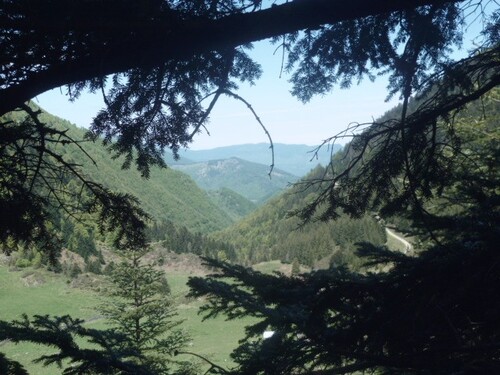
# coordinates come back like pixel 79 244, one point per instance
pixel 40 292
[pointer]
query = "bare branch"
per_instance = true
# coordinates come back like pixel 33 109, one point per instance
pixel 249 106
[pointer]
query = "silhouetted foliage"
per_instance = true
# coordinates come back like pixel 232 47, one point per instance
pixel 158 62
pixel 35 182
pixel 433 162
pixel 105 355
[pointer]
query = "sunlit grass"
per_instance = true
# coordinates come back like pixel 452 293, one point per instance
pixel 214 339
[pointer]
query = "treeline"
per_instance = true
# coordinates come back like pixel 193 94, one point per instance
pixel 180 240
pixel 77 235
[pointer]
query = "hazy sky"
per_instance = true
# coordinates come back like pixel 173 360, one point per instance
pixel 287 119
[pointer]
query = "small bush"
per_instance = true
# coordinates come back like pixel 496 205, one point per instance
pixel 23 263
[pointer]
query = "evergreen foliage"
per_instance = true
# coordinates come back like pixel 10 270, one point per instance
pixel 165 65
pixel 71 225
pixel 104 355
pixel 142 340
pixel 430 313
pixel 180 240
pixel 36 182
pixel 168 194
pixel 141 311
pixel 155 97
pixel 434 313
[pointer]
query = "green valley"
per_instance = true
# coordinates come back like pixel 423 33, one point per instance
pixel 256 182
pixel 124 252
pixel 273 233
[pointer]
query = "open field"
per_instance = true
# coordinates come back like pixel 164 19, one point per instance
pixel 41 292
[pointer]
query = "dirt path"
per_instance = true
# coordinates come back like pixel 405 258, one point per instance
pixel 408 246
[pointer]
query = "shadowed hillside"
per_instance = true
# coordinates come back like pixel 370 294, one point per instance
pixel 167 195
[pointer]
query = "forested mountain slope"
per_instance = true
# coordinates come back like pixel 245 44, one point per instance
pixel 166 195
pixel 235 205
pixel 249 179
pixel 271 233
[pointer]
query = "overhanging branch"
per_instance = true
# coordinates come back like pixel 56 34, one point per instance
pixel 181 39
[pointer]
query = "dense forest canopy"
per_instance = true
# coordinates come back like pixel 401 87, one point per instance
pixel 161 67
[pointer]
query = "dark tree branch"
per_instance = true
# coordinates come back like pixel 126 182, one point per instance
pixel 249 106
pixel 359 176
pixel 170 37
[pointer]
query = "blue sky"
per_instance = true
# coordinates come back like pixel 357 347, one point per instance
pixel 287 119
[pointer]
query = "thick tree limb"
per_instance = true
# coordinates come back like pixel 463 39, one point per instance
pixel 176 37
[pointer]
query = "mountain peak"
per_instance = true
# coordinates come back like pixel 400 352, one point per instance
pixel 295 159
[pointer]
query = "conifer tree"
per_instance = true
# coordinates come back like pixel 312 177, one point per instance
pixel 431 312
pixel 64 335
pixel 435 313
pixel 141 310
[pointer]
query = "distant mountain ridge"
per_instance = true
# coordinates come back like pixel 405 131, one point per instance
pixel 248 179
pixel 295 159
